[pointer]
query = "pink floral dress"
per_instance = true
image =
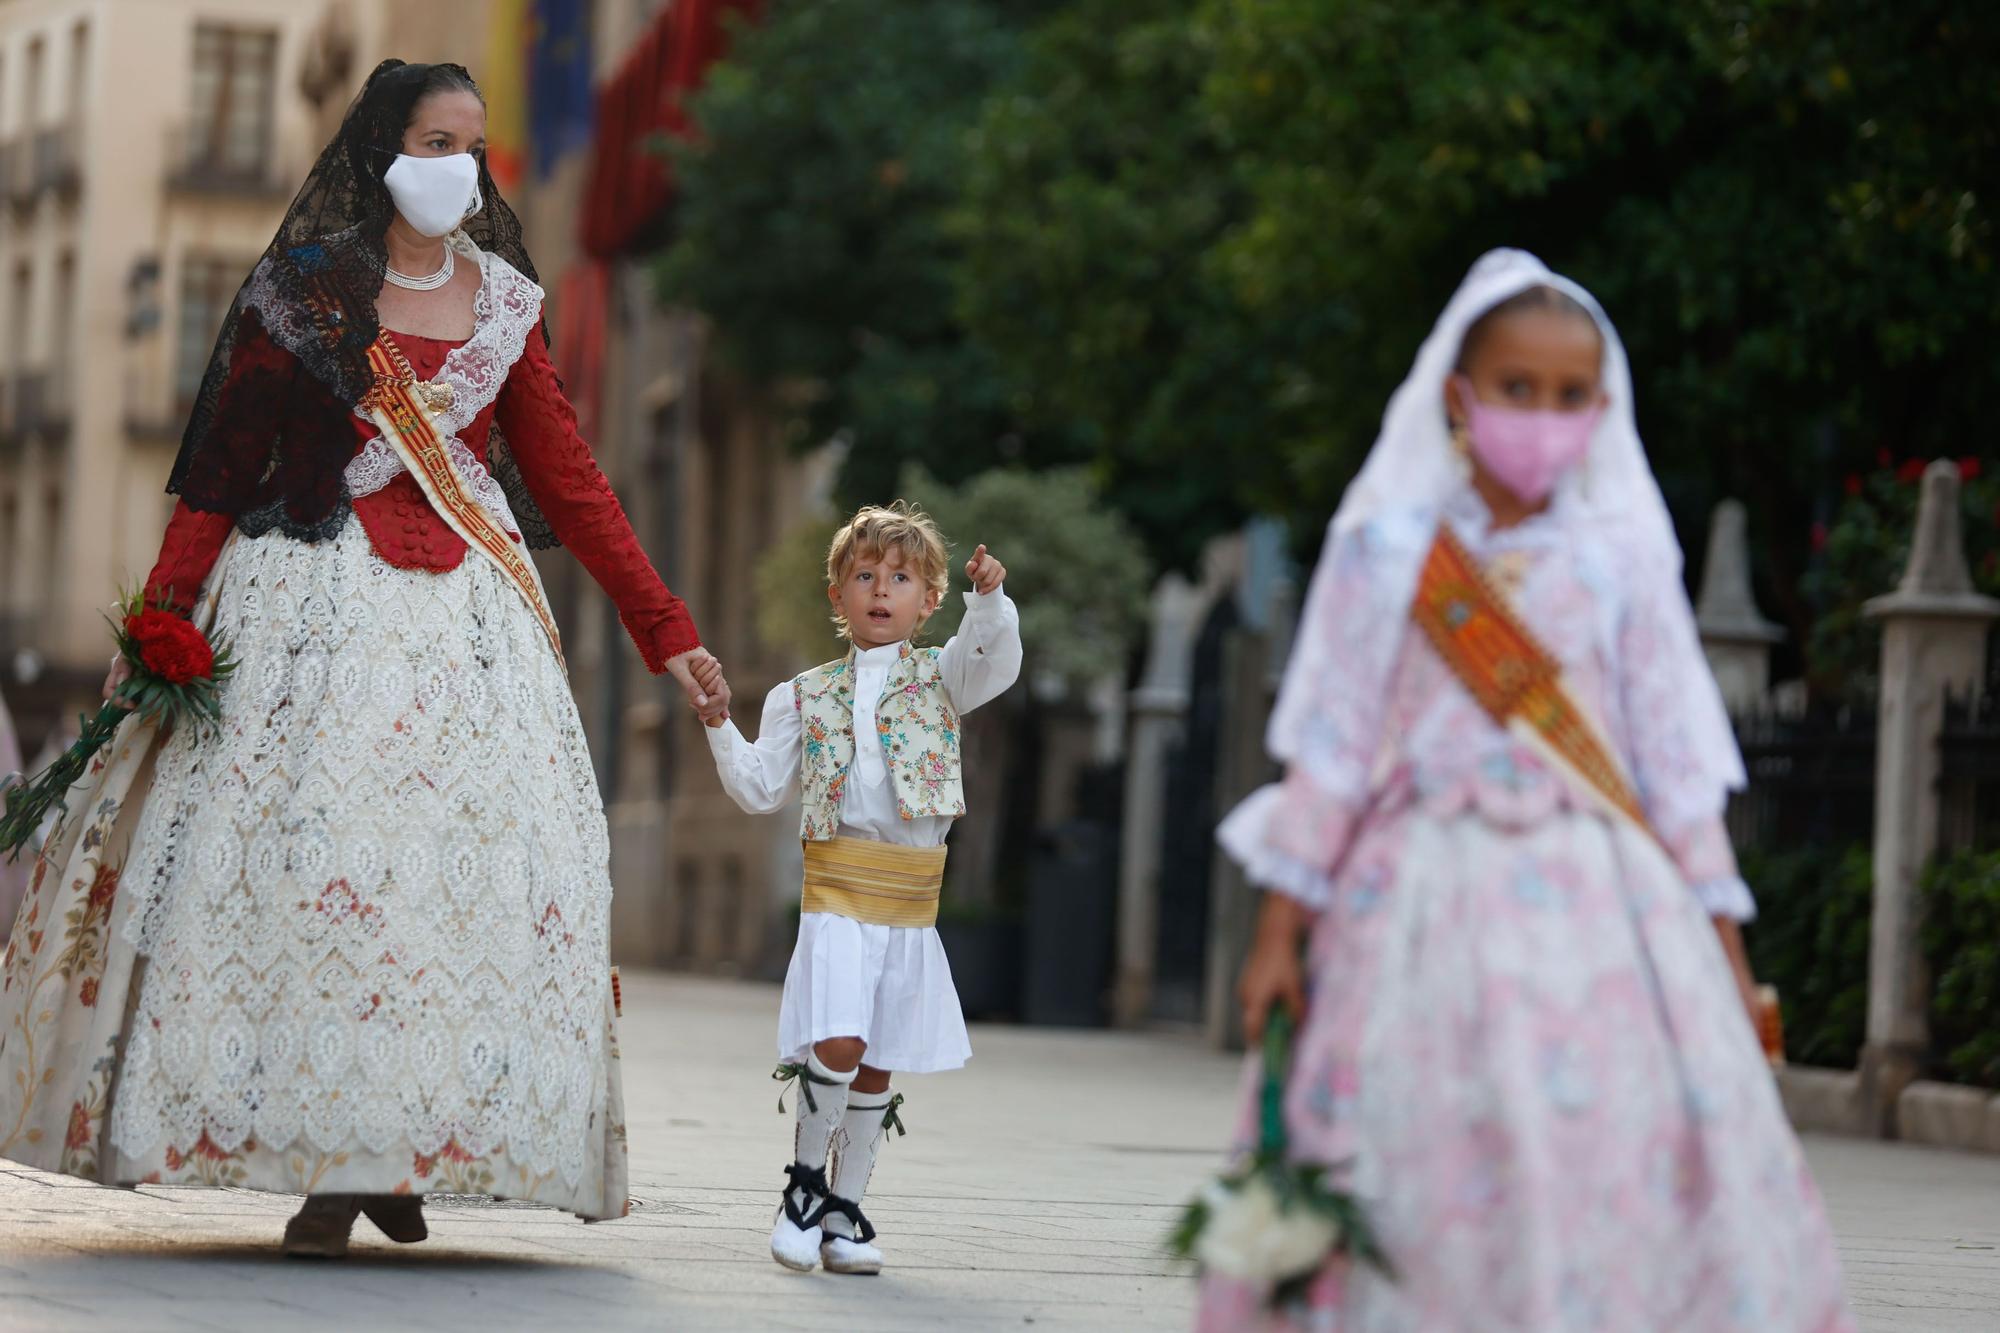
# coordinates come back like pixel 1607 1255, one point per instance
pixel 1523 1038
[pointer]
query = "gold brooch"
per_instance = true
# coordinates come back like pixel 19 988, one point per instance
pixel 434 394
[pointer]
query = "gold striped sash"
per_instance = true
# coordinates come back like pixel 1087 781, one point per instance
pixel 876 882
pixel 1513 677
pixel 398 406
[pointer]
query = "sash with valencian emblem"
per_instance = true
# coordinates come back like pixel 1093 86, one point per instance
pixel 1519 685
pixel 1513 677
pixel 401 407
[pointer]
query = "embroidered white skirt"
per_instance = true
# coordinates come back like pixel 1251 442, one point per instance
pixel 373 911
pixel 888 985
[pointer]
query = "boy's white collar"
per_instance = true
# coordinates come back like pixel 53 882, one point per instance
pixel 888 652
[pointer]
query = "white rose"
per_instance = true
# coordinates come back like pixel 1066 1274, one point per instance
pixel 1249 1236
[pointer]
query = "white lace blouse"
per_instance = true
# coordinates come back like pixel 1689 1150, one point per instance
pixel 1355 756
pixel 979 663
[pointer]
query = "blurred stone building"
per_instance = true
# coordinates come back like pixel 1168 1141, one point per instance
pixel 148 149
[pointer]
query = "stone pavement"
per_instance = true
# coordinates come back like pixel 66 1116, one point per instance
pixel 1032 1192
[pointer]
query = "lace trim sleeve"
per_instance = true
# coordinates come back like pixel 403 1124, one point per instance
pixel 1729 898
pixel 1291 836
pixel 507 309
pixel 1706 859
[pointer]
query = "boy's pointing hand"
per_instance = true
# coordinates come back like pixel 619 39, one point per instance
pixel 986 573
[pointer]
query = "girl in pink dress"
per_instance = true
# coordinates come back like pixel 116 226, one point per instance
pixel 1523 998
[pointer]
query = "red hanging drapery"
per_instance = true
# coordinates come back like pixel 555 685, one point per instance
pixel 631 181
pixel 583 313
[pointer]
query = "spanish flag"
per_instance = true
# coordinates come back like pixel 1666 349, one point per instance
pixel 504 80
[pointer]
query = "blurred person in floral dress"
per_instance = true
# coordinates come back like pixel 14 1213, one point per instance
pixel 1526 1040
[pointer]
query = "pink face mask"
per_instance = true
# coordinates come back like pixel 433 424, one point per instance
pixel 1527 451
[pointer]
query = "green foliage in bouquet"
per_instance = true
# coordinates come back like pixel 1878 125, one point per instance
pixel 176 680
pixel 1273 1220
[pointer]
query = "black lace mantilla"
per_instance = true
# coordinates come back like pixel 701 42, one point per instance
pixel 272 456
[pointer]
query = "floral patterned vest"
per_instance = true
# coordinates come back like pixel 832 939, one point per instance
pixel 917 726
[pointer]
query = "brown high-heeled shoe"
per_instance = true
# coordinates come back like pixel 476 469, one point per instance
pixel 400 1217
pixel 319 1230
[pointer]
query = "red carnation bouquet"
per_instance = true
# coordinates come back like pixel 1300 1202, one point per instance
pixel 176 673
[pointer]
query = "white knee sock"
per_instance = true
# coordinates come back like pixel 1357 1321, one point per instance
pixel 855 1145
pixel 822 1100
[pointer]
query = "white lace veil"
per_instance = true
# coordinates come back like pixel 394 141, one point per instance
pixel 1392 508
pixel 1413 462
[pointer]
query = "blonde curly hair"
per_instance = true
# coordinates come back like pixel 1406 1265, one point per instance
pixel 873 532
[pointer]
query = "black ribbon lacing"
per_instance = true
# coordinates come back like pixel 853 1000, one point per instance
pixel 805 1078
pixel 811 1182
pixel 864 1230
pixel 890 1120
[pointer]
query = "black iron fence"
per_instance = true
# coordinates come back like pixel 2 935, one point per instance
pixel 1812 779
pixel 1812 776
pixel 1969 742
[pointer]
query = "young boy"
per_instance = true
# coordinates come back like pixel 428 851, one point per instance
pixel 870 742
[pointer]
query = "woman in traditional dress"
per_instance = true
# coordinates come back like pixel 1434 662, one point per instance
pixel 352 943
pixel 1526 1044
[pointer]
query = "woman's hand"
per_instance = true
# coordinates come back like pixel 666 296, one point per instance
pixel 1273 974
pixel 986 573
pixel 700 675
pixel 121 671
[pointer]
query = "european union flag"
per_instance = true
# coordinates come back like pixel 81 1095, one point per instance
pixel 559 94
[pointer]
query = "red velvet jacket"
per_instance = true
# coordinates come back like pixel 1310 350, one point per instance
pixel 405 531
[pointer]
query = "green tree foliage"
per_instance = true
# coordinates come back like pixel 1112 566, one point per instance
pixel 1810 940
pixel 1196 242
pixel 1785 206
pixel 1962 943
pixel 811 228
pixel 1097 191
pixel 1384 147
pixel 793 614
pixel 1075 565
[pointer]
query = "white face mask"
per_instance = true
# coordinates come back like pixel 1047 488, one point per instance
pixel 434 194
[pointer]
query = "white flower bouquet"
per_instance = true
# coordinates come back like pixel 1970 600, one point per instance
pixel 1275 1222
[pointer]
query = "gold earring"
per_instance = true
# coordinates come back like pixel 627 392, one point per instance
pixel 1461 439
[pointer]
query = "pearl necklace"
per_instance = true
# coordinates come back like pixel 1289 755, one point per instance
pixel 425 284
